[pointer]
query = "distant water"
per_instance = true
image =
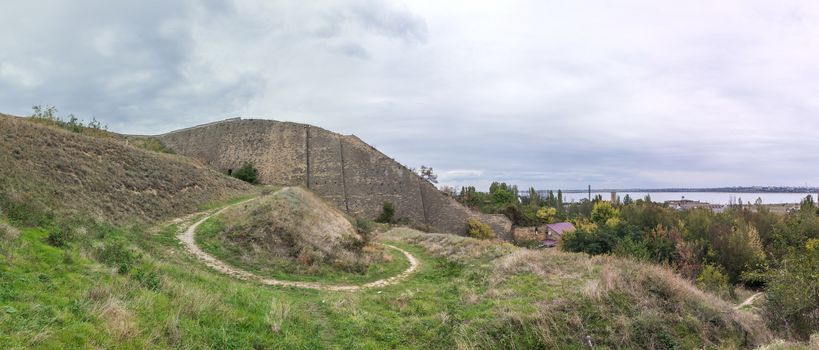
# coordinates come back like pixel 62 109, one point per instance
pixel 710 197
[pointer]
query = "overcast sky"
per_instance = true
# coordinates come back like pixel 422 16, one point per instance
pixel 551 94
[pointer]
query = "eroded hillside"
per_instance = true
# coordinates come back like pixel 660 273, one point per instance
pixel 47 170
pixel 343 169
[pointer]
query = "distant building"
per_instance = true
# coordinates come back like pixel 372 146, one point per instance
pixel 554 232
pixel 686 204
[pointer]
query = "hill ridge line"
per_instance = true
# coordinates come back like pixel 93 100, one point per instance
pixel 187 237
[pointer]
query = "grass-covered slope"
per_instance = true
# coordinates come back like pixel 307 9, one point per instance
pixel 124 286
pixel 53 172
pixel 551 299
pixel 466 294
pixel 293 234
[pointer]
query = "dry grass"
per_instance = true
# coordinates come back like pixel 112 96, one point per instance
pixel 293 223
pixel 454 248
pixel 47 169
pixel 119 321
pixel 193 301
pixel 7 232
pixel 615 302
pixel 277 315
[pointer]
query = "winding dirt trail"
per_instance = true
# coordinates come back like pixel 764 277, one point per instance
pixel 748 301
pixel 187 238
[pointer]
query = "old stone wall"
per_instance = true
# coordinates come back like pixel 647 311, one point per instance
pixel 344 170
pixel 372 179
pixel 277 149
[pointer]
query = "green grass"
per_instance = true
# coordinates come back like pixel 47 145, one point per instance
pixel 210 237
pixel 466 294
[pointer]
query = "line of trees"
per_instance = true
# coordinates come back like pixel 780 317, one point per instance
pixel 747 245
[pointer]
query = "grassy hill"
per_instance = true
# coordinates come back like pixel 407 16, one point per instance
pixel 50 172
pixel 293 234
pixel 117 281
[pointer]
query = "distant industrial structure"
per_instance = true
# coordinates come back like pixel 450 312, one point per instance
pixel 686 204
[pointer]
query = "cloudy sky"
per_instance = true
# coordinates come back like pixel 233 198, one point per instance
pixel 552 94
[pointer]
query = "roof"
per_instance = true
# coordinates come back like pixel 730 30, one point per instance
pixel 561 227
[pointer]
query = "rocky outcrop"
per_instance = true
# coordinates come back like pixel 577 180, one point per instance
pixel 343 169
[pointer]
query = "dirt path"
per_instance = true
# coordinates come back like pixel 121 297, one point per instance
pixel 748 301
pixel 187 238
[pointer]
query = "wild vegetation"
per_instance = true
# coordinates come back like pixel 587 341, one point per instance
pixel 247 173
pixel 49 173
pixel 745 245
pixel 97 268
pixel 293 235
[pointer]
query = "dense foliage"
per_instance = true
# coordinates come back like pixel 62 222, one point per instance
pixel 747 245
pixel 744 244
pixel 247 173
pixel 387 215
pixel 477 229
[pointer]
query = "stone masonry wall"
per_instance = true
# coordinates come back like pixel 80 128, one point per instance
pixel 344 170
pixel 277 149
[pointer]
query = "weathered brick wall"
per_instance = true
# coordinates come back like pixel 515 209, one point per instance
pixel 342 169
pixel 277 149
pixel 325 166
pixel 372 179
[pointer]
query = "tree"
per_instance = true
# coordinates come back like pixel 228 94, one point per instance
pixel 737 248
pixel 533 198
pixel 477 229
pixel 387 215
pixel 793 291
pixel 427 174
pixel 559 201
pixel 48 113
pixel 604 213
pixel 247 173
pixel 627 200
pixel 546 215
pixel 448 190
pixel 713 279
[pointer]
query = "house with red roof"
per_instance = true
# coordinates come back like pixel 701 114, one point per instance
pixel 554 232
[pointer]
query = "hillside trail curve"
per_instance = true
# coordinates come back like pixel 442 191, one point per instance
pixel 187 237
pixel 748 301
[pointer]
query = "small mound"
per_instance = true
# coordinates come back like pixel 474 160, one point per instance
pixel 557 300
pixel 291 231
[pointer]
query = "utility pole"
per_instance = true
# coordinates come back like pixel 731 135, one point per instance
pixel 589 193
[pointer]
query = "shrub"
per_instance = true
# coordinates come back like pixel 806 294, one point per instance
pixel 247 173
pixel 477 229
pixel 147 276
pixel 714 280
pixel 117 255
pixel 791 289
pixel 387 215
pixel 8 232
pixel 152 144
pixel 59 236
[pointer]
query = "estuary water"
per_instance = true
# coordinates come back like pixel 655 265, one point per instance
pixel 709 197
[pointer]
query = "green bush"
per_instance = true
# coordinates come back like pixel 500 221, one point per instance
pixel 247 173
pixel 792 291
pixel 477 229
pixel 59 236
pixel 713 279
pixel 117 255
pixel 387 215
pixel 147 277
pixel 364 228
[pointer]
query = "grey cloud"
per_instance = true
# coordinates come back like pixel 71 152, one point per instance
pixel 545 94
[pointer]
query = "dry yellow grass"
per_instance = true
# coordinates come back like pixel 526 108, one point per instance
pixel 292 227
pixel 616 302
pixel 46 169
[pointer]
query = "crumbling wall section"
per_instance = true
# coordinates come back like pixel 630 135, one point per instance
pixel 344 170
pixel 277 149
